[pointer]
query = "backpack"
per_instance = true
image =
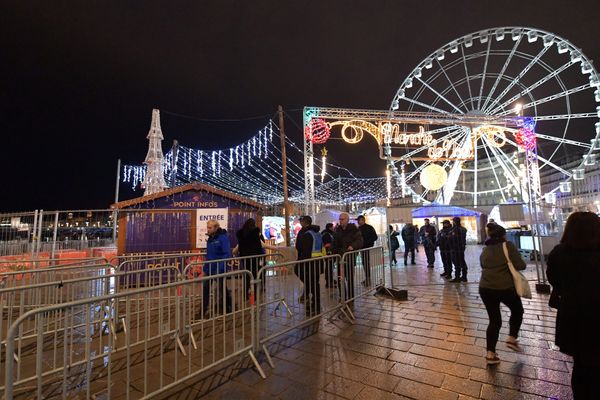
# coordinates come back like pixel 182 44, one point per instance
pixel 317 248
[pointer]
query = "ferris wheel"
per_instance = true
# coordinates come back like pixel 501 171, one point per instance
pixel 507 71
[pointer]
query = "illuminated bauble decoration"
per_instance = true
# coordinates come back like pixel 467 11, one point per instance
pixel 317 131
pixel 433 177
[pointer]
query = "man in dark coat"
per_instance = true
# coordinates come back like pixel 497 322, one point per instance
pixel 217 248
pixel 369 238
pixel 347 238
pixel 428 235
pixel 408 237
pixel 458 244
pixel 309 245
pixel 327 236
pixel 443 242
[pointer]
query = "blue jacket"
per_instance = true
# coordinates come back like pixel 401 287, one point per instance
pixel 217 248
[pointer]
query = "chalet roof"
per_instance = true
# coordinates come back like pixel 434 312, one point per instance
pixel 197 186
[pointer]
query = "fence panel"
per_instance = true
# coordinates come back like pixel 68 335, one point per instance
pixel 88 358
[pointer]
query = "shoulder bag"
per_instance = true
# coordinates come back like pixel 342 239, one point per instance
pixel 521 283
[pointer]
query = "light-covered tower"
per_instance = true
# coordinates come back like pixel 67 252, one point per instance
pixel 154 181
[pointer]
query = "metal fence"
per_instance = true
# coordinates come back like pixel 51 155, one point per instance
pixel 51 232
pixel 136 334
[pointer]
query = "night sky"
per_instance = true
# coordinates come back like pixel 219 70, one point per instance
pixel 79 79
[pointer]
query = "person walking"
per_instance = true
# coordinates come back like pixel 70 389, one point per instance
pixel 369 238
pixel 409 234
pixel 497 286
pixel 443 242
pixel 250 244
pixel 217 248
pixel 309 244
pixel 573 266
pixel 458 243
pixel 428 236
pixel 346 238
pixel 417 238
pixel 327 236
pixel 394 244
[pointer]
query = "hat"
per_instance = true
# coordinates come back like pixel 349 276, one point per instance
pixel 446 222
pixel 306 218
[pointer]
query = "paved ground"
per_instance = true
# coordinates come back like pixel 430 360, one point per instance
pixel 430 347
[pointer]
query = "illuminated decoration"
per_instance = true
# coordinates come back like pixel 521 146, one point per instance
pixel 433 177
pixel 495 135
pixel 353 130
pixel 525 136
pixel 153 180
pixel 450 149
pixel 323 163
pixel 317 131
pixel 388 186
pixel 390 133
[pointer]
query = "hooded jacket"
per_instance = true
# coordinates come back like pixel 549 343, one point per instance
pixel 342 238
pixel 217 248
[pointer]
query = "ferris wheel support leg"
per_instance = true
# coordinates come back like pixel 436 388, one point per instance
pixel 534 192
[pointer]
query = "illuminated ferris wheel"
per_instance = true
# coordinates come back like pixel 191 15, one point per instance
pixel 506 71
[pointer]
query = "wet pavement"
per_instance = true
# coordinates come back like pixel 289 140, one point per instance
pixel 429 347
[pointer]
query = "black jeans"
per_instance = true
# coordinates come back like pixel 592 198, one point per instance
pixel 584 381
pixel 393 255
pixel 409 247
pixel 460 265
pixel 366 262
pixel 429 251
pixel 446 261
pixel 491 299
pixel 347 282
pixel 222 301
pixel 253 265
pixel 310 273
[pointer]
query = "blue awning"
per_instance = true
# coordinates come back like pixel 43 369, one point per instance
pixel 443 211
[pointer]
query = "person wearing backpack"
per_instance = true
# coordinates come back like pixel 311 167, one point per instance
pixel 309 244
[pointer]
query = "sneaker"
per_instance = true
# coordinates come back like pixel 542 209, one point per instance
pixel 413 263
pixel 443 274
pixel 455 280
pixel 492 360
pixel 430 266
pixel 463 279
pixel 514 346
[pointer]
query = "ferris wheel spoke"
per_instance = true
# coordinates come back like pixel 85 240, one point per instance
pixel 462 50
pixel 485 147
pixel 425 105
pixel 517 78
pixel 549 98
pixel 564 116
pixel 502 71
pixel 544 160
pixel 451 85
pixel 537 84
pixel 487 56
pixel 439 95
pixel 505 163
pixel 563 140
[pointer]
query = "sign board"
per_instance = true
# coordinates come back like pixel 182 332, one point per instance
pixel 511 212
pixel 204 215
pixel 399 215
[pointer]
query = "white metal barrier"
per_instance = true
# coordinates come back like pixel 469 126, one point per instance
pixel 167 346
